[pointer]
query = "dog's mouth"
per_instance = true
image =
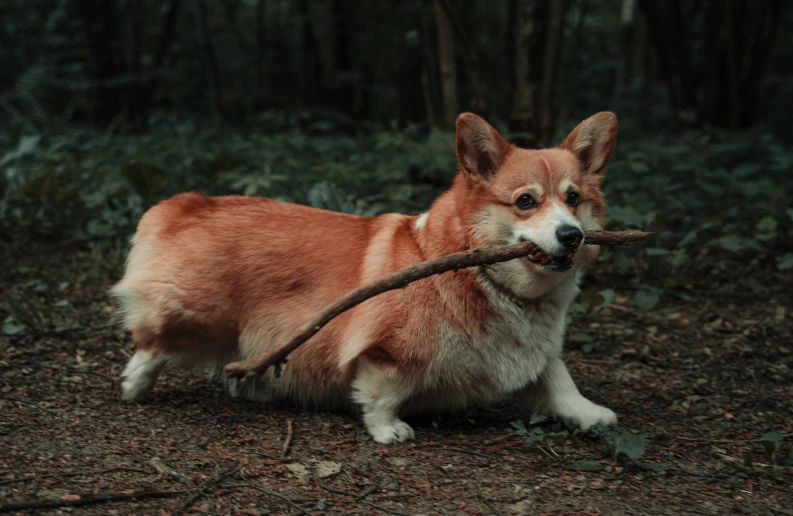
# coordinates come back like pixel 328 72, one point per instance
pixel 549 262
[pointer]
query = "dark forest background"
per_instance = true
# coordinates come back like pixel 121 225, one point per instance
pixel 108 106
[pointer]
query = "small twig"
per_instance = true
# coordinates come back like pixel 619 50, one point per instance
pixel 385 509
pixel 489 505
pixel 695 440
pixel 76 329
pixel 290 501
pixel 545 452
pixel 77 370
pixel 402 278
pixel 78 500
pixel 471 452
pixel 288 439
pixel 72 474
pixel 367 492
pixel 443 471
pixel 31 403
pixel 206 488
pixel 169 471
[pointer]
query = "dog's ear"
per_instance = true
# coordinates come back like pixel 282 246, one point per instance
pixel 592 142
pixel 480 149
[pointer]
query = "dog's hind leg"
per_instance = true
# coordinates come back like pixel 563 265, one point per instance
pixel 142 370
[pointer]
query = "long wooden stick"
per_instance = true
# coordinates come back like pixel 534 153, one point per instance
pixel 403 277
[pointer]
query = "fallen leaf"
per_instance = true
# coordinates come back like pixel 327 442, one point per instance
pixel 327 468
pixel 587 465
pixel 300 471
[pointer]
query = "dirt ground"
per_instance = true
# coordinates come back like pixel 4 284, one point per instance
pixel 699 378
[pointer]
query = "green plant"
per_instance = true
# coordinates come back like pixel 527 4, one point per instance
pixel 535 435
pixel 620 441
pixel 771 443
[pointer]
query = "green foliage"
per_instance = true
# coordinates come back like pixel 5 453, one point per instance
pixel 27 314
pixel 585 341
pixel 703 188
pixel 534 433
pixel 771 442
pixel 587 465
pixel 728 191
pixel 646 297
pixel 616 440
pixel 620 441
pixel 590 303
pixel 87 185
pixel 786 262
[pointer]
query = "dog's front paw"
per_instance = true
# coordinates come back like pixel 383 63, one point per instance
pixel 396 432
pixel 584 414
pixel 597 415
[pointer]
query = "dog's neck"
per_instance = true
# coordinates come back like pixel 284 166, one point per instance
pixel 443 230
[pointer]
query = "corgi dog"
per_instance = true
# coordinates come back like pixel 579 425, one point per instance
pixel 210 280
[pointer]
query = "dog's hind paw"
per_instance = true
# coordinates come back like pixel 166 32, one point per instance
pixel 396 432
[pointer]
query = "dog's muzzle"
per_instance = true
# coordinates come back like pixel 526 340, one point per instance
pixel 555 263
pixel 559 263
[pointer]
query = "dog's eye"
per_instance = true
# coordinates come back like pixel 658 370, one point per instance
pixel 573 199
pixel 525 202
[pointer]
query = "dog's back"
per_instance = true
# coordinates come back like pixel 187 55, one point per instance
pixel 211 279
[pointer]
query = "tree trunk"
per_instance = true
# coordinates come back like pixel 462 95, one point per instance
pixel 101 34
pixel 658 25
pixel 426 91
pixel 571 62
pixel 471 61
pixel 624 69
pixel 521 123
pixel 546 104
pixel 261 45
pixel 532 54
pixel 429 80
pixel 448 67
pixel 230 12
pixel 733 66
pixel 312 76
pixel 135 14
pixel 342 68
pixel 759 55
pixel 646 64
pixel 164 43
pixel 213 69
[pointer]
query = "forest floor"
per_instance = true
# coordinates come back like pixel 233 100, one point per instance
pixel 701 379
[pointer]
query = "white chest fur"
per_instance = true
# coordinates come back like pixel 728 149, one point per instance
pixel 512 353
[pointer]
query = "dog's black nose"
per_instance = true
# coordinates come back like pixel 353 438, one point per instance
pixel 569 236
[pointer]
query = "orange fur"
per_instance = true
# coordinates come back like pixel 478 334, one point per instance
pixel 210 279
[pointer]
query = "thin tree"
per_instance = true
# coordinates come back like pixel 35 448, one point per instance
pixel 210 58
pixel 539 26
pixel 448 66
pixel 311 69
pixel 625 69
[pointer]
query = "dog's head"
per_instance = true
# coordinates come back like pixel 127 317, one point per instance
pixel 550 197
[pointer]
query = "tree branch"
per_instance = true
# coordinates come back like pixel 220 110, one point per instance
pixel 400 279
pixel 84 499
